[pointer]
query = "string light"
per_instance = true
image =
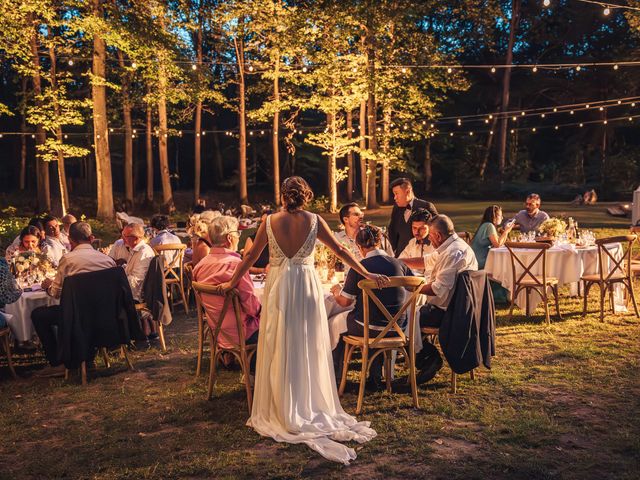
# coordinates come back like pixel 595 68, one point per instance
pixel 534 69
pixel 203 133
pixel 546 3
pixel 581 125
pixel 556 127
pixel 543 115
pixel 493 69
pixel 70 62
pixel 194 67
pixel 404 70
pixel 513 131
pixel 304 69
pixel 606 11
pixel 490 132
pixel 134 65
pixel 615 67
pixel 578 68
pixel 449 70
pixel 251 68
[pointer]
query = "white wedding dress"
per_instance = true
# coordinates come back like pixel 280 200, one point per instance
pixel 295 397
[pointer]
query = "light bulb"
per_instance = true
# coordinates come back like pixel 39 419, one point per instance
pixel 490 132
pixel 134 65
pixel 251 68
pixel 556 127
pixel 633 104
pixel 606 11
pixel 571 112
pixel 471 134
pixel 543 115
pixel 449 70
pixel 493 69
pixel 451 134
pixel 533 129
pixel 630 119
pixel 534 69
pixel 615 67
pixel 194 67
pixel 404 70
pixel 512 131
pixel 578 68
pixel 304 69
pixel 587 106
pixel 522 113
pixel 546 3
pixel 70 62
pixel 581 125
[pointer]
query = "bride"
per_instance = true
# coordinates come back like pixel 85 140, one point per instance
pixel 295 397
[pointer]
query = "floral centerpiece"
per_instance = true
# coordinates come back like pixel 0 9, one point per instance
pixel 325 262
pixel 31 268
pixel 552 227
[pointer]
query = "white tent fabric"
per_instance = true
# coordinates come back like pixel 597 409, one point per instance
pixel 635 212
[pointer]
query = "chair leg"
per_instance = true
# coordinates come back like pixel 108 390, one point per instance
pixel 585 298
pixel 633 298
pixel 83 370
pixel 66 374
pixel 163 344
pixel 7 349
pixel 212 369
pixel 348 350
pixel 125 355
pixel 200 346
pixel 184 298
pixel 612 303
pixel 387 370
pixel 545 299
pixel 603 293
pixel 246 371
pixel 557 295
pixel 472 374
pixel 363 377
pixel 454 382
pixel 105 357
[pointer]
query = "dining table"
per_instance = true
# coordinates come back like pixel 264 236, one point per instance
pixel 19 312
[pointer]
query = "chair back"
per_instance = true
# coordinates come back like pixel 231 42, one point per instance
pixel 173 255
pixel 466 236
pixel 413 284
pixel 528 266
pixel 231 300
pixel 620 266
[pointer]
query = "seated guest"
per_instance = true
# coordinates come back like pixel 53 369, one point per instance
pixel 351 218
pixel 375 260
pixel 160 225
pixel 530 219
pixel 81 259
pixel 140 255
pixel 218 267
pixel 54 247
pixel 67 220
pixel 28 241
pixel 119 251
pixel 9 290
pixel 486 237
pixel 200 243
pixel 262 263
pixel 419 246
pixel 452 255
pixel 34 222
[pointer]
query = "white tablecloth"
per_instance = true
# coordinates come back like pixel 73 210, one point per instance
pixel 20 323
pixel 566 263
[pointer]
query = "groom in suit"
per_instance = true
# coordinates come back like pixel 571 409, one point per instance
pixel 405 202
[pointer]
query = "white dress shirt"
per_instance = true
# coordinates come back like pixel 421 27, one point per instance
pixel 442 268
pixel 415 250
pixel 119 251
pixel 81 259
pixel 408 211
pixel 54 249
pixel 348 242
pixel 137 267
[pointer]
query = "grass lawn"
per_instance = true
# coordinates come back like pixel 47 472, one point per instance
pixel 559 402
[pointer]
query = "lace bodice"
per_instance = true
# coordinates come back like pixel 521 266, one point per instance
pixel 304 255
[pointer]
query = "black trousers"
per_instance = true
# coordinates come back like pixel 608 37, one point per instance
pixel 430 316
pixel 354 328
pixel 46 321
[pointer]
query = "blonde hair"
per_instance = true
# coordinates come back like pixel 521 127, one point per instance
pixel 220 227
pixel 199 222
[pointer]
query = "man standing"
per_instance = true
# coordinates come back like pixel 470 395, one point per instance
pixel 54 247
pixel 82 258
pixel 405 202
pixel 419 246
pixel 532 217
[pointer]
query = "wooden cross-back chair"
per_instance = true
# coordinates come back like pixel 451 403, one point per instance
pixel 619 271
pixel 173 269
pixel 240 350
pixel 107 363
pixel 527 280
pixel 635 259
pixel 466 236
pixel 4 334
pixel 381 344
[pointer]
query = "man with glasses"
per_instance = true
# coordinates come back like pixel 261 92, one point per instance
pixel 530 219
pixel 352 217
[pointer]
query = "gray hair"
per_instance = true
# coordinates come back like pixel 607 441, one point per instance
pixel 136 228
pixel 80 232
pixel 443 225
pixel 220 227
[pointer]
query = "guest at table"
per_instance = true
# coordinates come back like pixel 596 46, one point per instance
pixel 452 255
pixel 487 237
pixel 9 290
pixel 351 218
pixel 200 244
pixel 160 225
pixel 140 256
pixel 530 219
pixel 375 260
pixel 67 220
pixel 405 202
pixel 54 247
pixel 28 241
pixel 119 251
pixel 81 259
pixel 218 267
pixel 262 264
pixel 419 246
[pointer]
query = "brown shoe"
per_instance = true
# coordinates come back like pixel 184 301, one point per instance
pixel 50 372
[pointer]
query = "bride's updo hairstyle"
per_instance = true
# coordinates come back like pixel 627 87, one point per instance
pixel 369 236
pixel 296 193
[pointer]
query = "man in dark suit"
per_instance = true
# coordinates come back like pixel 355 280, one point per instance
pixel 399 230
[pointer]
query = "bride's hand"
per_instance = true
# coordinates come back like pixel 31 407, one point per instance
pixel 381 280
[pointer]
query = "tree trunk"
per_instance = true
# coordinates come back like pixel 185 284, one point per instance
pixel 276 133
pixel 363 147
pixel 487 149
pixel 349 157
pixel 149 151
pixel 62 178
pixel 128 132
pixel 163 149
pixel 506 85
pixel 100 127
pixel 428 175
pixel 371 107
pixel 197 139
pixel 23 137
pixel 42 167
pixel 333 159
pixel 386 144
pixel 242 134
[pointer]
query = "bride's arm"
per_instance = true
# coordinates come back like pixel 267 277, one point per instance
pixel 258 245
pixel 325 235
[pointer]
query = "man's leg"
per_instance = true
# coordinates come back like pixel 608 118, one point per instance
pixel 429 361
pixel 46 321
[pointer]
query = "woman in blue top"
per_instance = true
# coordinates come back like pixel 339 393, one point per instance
pixel 487 237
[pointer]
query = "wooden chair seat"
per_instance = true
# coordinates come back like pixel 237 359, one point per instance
pixel 595 277
pixel 4 334
pixel 538 280
pixel 381 344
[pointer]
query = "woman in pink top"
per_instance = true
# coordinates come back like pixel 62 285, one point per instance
pixel 218 267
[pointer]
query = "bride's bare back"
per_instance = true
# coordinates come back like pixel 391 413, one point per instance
pixel 291 230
